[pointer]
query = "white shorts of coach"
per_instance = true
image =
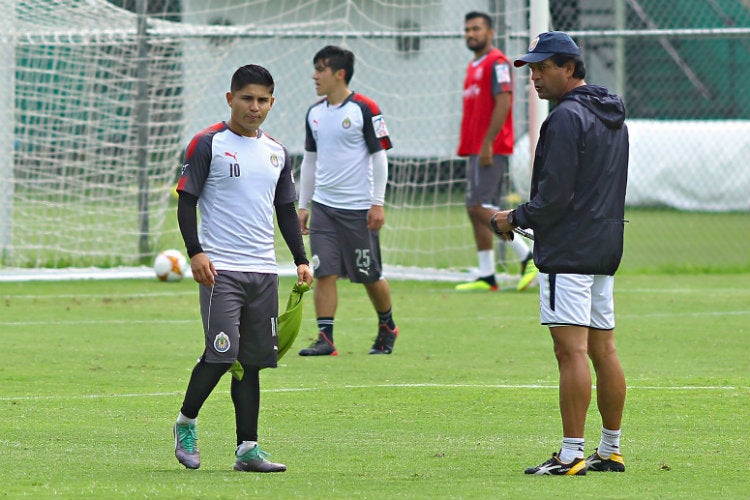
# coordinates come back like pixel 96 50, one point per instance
pixel 577 300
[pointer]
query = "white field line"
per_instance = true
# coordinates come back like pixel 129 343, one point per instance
pixel 374 386
pixel 103 322
pixel 113 296
pixel 489 318
pixel 194 293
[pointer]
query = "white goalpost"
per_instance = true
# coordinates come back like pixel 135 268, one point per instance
pixel 102 111
pixel 7 92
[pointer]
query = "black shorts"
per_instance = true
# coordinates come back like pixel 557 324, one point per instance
pixel 240 317
pixel 341 244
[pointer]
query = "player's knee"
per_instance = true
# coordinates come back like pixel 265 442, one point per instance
pixel 475 210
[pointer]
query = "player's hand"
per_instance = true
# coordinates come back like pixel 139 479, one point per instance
pixel 303 216
pixel 501 226
pixel 304 274
pixel 375 217
pixel 485 155
pixel 203 269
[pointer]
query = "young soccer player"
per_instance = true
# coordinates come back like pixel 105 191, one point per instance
pixel 342 182
pixel 240 175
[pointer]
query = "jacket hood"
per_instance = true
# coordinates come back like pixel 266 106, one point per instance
pixel 609 108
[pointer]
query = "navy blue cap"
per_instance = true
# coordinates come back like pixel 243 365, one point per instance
pixel 547 45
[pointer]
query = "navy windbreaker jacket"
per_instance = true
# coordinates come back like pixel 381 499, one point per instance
pixel 577 197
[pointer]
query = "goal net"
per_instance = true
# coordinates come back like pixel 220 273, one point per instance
pixel 99 97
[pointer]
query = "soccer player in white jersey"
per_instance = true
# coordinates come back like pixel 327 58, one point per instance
pixel 342 182
pixel 239 176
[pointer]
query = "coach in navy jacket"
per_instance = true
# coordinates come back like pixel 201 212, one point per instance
pixel 578 185
pixel 576 210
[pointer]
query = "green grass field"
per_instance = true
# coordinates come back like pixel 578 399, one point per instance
pixel 656 240
pixel 93 372
pixel 435 234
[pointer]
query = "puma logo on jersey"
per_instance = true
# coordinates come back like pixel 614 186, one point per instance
pixel 234 156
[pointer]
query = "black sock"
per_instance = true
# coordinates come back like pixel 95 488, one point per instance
pixel 204 378
pixel 325 325
pixel 489 279
pixel 386 318
pixel 246 399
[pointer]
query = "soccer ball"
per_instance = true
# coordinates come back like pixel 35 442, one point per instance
pixel 170 265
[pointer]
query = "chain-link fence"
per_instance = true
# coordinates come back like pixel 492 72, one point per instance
pixel 99 97
pixel 681 67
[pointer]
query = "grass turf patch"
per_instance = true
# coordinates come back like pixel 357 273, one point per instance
pixel 93 373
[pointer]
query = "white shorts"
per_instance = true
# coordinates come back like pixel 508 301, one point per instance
pixel 577 300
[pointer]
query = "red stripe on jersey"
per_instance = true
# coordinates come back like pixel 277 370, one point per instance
pixel 385 142
pixel 212 129
pixel 368 102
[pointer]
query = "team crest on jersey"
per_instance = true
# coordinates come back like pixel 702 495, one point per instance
pixel 502 73
pixel 275 160
pixel 221 342
pixel 346 123
pixel 378 123
pixel 533 43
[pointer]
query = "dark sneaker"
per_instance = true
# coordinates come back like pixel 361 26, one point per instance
pixel 321 347
pixel 596 463
pixel 554 467
pixel 186 446
pixel 385 340
pixel 253 459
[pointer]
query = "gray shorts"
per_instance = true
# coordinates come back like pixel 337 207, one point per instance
pixel 240 315
pixel 341 244
pixel 484 185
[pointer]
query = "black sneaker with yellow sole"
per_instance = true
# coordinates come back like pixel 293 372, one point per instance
pixel 596 463
pixel 554 467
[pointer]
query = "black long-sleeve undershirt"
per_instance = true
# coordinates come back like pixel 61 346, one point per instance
pixel 286 216
pixel 187 218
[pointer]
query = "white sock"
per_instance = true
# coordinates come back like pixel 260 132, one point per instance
pixel 486 262
pixel 610 442
pixel 246 446
pixel 520 248
pixel 183 420
pixel 572 448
